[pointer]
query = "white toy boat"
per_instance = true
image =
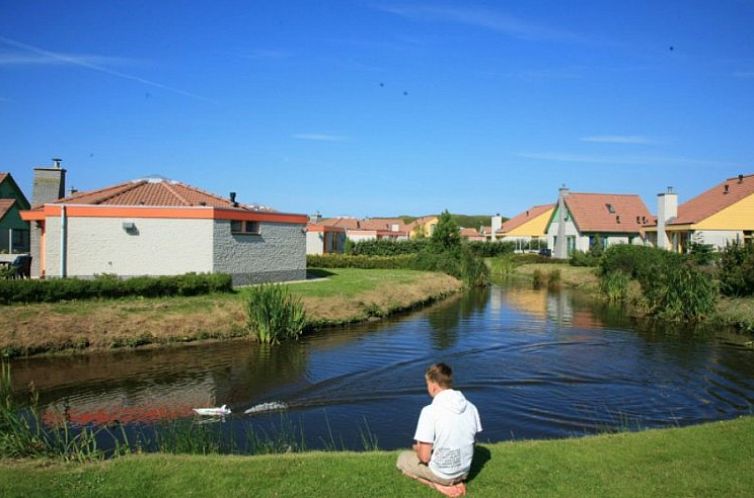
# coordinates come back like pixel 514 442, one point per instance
pixel 213 412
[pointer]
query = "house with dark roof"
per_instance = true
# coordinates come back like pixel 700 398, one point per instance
pixel 581 219
pixel 156 226
pixel 527 227
pixel 14 231
pixel 718 216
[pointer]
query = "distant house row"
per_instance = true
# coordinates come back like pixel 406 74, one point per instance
pixel 717 217
pixel 328 235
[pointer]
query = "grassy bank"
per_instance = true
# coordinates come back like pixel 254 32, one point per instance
pixel 337 297
pixel 707 460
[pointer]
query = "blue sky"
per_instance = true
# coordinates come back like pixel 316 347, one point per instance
pixel 372 108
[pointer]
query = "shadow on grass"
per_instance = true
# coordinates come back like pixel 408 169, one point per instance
pixel 314 273
pixel 481 456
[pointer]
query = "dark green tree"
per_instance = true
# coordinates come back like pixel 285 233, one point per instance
pixel 447 235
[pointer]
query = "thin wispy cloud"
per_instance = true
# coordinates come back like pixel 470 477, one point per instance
pixel 482 18
pixel 319 137
pixel 34 59
pixel 77 61
pixel 264 53
pixel 624 160
pixel 618 139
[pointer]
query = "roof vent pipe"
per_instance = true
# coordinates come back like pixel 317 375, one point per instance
pixel 740 178
pixel 725 189
pixel 233 199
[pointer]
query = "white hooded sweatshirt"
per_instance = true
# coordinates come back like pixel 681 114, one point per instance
pixel 450 424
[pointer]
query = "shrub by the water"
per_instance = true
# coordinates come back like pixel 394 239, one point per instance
pixel 737 270
pixel 553 280
pixel 538 279
pixel 110 286
pixel 614 286
pixel 274 314
pixel 674 287
pixel 679 291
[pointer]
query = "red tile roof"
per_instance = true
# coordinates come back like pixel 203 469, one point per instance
pixel 714 200
pixel 384 224
pixel 347 223
pixel 5 205
pixel 524 217
pixel 592 212
pixel 469 232
pixel 153 193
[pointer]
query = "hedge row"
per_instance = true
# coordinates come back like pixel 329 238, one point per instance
pixel 490 249
pixel 109 286
pixel 404 261
pixel 388 247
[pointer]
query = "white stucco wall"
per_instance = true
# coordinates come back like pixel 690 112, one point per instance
pixel 315 242
pixel 155 247
pixel 718 238
pixel 582 241
pixel 278 253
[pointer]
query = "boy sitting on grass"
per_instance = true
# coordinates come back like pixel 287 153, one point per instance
pixel 444 439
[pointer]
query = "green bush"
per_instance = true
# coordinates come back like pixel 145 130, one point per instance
pixel 580 258
pixel 109 286
pixel 680 291
pixel 737 270
pixel 675 288
pixel 490 249
pixel 703 254
pixel 274 314
pixel 639 262
pixel 553 280
pixel 538 279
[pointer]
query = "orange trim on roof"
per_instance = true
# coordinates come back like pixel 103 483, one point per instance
pixel 188 212
pixel 324 228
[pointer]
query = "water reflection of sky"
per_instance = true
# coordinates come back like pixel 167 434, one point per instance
pixel 536 363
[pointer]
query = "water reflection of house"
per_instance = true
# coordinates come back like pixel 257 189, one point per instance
pixel 129 405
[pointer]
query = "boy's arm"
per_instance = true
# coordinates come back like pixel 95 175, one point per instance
pixel 423 451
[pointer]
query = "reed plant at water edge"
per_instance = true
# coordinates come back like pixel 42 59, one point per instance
pixel 274 314
pixel 614 286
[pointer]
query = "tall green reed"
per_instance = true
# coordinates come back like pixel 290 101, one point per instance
pixel 274 314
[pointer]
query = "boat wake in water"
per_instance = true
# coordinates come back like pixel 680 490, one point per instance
pixel 267 407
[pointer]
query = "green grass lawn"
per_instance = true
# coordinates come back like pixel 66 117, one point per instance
pixel 715 459
pixel 348 282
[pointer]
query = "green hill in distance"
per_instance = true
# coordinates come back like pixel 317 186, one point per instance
pixel 462 220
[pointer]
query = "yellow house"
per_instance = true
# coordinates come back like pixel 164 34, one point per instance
pixel 423 227
pixel 722 214
pixel 527 227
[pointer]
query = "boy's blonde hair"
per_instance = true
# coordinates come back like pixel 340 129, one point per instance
pixel 440 374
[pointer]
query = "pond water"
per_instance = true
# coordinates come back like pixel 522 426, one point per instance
pixel 537 365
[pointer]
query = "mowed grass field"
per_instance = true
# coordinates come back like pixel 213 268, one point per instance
pixel 337 296
pixel 715 459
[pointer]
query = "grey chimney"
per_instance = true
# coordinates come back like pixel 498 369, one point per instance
pixel 49 186
pixel 49 183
